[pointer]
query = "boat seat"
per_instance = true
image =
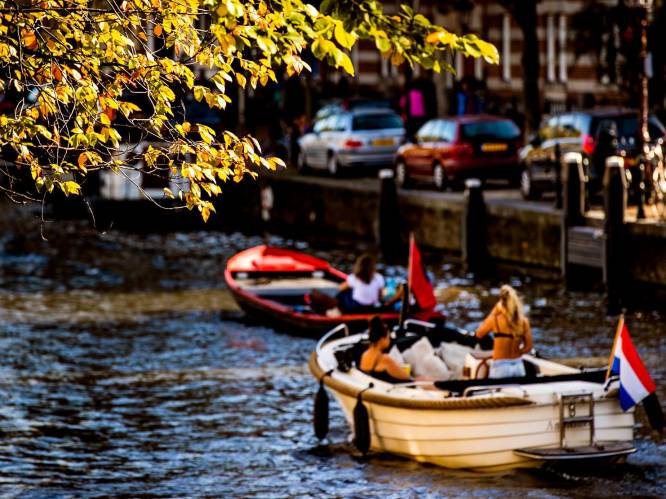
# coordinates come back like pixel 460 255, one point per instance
pixel 295 286
pixel 477 364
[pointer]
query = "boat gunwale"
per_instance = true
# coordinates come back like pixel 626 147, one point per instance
pixel 371 396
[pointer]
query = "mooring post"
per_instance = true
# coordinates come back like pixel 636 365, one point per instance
pixel 614 258
pixel 558 177
pixel 390 241
pixel 473 245
pixel 573 178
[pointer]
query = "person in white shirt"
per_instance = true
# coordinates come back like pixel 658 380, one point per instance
pixel 363 291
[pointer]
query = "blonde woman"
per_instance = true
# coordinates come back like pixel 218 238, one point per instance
pixel 513 336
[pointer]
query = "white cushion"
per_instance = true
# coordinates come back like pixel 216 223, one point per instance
pixel 419 350
pixel 424 361
pixel 432 366
pixel 454 355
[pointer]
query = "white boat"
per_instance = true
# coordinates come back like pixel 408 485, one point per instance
pixel 555 413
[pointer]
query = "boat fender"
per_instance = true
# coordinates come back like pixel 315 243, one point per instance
pixel 320 413
pixel 362 424
pixel 654 412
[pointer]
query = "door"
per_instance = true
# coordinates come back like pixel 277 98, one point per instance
pixel 420 157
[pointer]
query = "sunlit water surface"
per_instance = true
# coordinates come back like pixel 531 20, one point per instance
pixel 128 371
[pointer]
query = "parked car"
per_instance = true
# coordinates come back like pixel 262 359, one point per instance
pixel 362 138
pixel 339 106
pixel 449 149
pixel 596 134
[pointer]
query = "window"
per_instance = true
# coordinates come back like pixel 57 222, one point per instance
pixel 563 48
pixel 339 123
pixel 447 131
pixel 582 123
pixel 502 130
pixel 506 47
pixel 566 126
pixel 377 121
pixel 426 132
pixel 550 47
pixel 626 126
pixel 321 125
pixel 549 131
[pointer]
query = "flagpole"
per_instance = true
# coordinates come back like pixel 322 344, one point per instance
pixel 406 288
pixel 620 324
pixel 409 259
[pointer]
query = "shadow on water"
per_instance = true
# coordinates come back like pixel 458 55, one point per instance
pixel 121 379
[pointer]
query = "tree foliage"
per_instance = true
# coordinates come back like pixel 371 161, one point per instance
pixel 77 64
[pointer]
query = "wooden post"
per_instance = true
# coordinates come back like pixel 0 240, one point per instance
pixel 573 179
pixel 558 177
pixel 390 241
pixel 474 252
pixel 614 258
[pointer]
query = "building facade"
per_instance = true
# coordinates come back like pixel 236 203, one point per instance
pixel 567 79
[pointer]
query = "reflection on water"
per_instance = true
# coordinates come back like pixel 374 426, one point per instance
pixel 120 377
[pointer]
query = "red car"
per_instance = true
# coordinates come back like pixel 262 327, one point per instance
pixel 450 149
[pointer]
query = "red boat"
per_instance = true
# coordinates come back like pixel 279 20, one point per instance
pixel 271 284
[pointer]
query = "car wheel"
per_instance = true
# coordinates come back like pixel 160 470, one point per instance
pixel 301 162
pixel 402 179
pixel 439 176
pixel 332 165
pixel 527 189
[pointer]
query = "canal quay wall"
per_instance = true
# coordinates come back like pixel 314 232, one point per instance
pixel 516 231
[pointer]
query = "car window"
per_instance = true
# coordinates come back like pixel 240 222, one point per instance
pixel 549 131
pixel 339 123
pixel 437 131
pixel 376 121
pixel 582 123
pixel 489 130
pixel 447 131
pixel 320 125
pixel 425 133
pixel 626 126
pixel 567 126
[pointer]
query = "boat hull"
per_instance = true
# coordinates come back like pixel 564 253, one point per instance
pixel 479 426
pixel 479 439
pixel 300 324
pixel 272 264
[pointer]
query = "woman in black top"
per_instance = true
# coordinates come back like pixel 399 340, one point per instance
pixel 375 362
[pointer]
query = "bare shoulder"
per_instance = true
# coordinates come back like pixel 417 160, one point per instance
pixel 387 361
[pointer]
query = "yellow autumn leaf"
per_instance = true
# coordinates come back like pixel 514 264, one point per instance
pixel 29 39
pixel 443 37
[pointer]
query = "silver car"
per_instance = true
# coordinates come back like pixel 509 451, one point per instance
pixel 358 138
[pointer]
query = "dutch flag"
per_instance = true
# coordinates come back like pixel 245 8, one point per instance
pixel 635 382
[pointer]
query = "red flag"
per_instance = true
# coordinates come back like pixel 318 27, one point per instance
pixel 418 281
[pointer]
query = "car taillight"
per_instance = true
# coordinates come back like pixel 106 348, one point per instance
pixel 588 145
pixel 351 143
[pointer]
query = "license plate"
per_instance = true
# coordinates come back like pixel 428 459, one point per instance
pixel 490 147
pixel 383 142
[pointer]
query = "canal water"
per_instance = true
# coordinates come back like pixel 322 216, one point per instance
pixel 127 370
